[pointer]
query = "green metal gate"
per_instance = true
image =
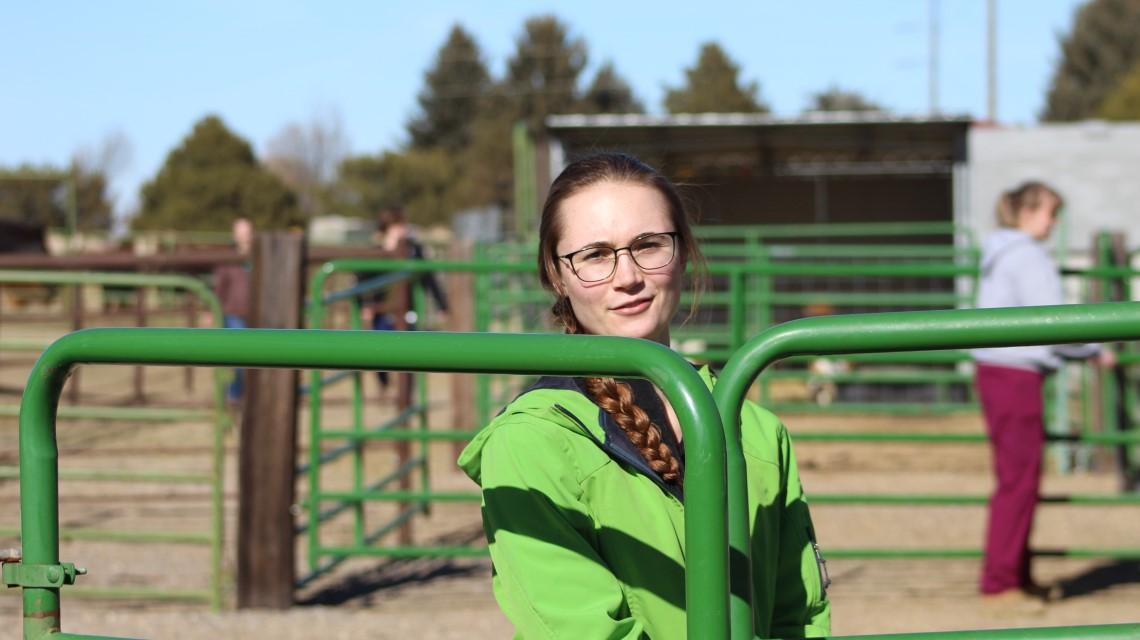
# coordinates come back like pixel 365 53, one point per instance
pixel 41 574
pixel 709 529
pixel 216 416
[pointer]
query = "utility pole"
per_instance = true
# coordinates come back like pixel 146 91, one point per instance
pixel 991 60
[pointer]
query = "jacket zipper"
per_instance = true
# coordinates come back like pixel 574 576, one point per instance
pixel 820 562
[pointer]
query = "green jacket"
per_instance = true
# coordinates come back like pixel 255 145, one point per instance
pixel 588 542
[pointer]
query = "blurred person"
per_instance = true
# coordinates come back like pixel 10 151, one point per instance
pixel 232 286
pixel 378 311
pixel 1017 271
pixel 582 479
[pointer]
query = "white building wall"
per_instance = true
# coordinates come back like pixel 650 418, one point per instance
pixel 1094 165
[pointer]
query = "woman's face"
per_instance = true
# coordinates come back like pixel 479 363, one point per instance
pixel 633 302
pixel 1038 222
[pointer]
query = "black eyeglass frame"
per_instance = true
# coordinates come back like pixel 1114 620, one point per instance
pixel 673 235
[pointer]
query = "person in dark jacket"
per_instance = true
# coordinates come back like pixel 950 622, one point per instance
pixel 1016 271
pixel 378 310
pixel 582 479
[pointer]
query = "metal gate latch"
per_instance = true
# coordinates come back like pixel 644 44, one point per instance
pixel 46 576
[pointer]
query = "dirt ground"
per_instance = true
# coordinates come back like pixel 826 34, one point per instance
pixel 452 599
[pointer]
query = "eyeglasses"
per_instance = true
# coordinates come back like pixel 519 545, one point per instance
pixel 594 264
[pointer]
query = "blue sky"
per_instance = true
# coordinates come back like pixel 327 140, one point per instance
pixel 74 72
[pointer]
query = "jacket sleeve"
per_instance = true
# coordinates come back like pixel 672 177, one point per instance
pixel 801 608
pixel 549 578
pixel 431 283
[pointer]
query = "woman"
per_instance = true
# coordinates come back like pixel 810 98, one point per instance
pixel 1018 272
pixel 582 479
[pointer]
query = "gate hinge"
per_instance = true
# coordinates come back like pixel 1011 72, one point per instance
pixel 46 576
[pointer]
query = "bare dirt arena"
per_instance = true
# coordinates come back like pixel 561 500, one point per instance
pixel 452 599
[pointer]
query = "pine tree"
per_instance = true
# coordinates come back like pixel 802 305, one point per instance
pixel 609 93
pixel 450 97
pixel 712 87
pixel 1124 101
pixel 1102 47
pixel 210 179
pixel 542 75
pixel 836 99
pixel 47 196
pixel 422 181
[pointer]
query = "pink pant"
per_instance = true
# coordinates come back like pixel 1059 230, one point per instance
pixel 1012 404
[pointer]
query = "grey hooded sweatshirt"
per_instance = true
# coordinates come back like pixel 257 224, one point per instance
pixel 1018 272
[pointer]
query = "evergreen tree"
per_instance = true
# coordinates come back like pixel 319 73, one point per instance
pixel 712 87
pixel 451 93
pixel 1124 101
pixel 836 99
pixel 1102 47
pixel 47 196
pixel 420 180
pixel 542 75
pixel 609 93
pixel 359 188
pixel 487 176
pixel 210 179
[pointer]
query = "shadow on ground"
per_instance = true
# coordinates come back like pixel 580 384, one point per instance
pixel 363 587
pixel 1101 578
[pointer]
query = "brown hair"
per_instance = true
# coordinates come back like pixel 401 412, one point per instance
pixel 616 398
pixel 1027 195
pixel 390 215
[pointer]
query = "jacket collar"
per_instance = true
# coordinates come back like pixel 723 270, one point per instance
pixel 605 430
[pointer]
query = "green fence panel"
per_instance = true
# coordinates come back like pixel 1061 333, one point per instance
pixel 705 526
pixel 218 417
pixel 903 331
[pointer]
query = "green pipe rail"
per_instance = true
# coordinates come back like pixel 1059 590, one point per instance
pixel 217 417
pixel 893 332
pixel 41 574
pixel 746 308
pixel 186 283
pixel 829 230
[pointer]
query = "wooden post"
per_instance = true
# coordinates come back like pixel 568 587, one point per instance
pixel 140 321
pixel 191 321
pixel 76 325
pixel 265 561
pixel 461 300
pixel 1122 291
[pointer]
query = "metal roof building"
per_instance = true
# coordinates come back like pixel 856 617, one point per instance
pixel 760 169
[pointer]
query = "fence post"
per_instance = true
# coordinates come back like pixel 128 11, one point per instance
pixel 191 301
pixel 1124 398
pixel 400 295
pixel 76 325
pixel 265 561
pixel 461 318
pixel 140 321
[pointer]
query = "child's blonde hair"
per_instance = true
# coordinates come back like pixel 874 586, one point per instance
pixel 1028 195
